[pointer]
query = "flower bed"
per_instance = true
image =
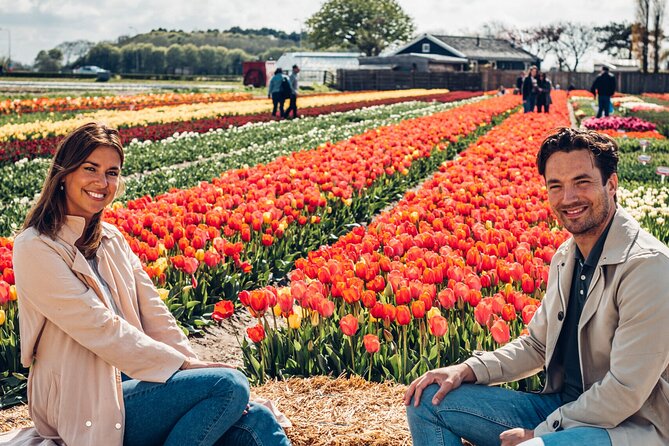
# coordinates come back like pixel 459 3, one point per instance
pixel 129 102
pixel 649 134
pixel 45 145
pixel 619 123
pixel 459 264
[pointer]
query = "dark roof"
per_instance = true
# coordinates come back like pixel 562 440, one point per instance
pixel 486 48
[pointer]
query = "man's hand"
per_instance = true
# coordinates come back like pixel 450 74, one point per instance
pixel 194 363
pixel 512 437
pixel 448 378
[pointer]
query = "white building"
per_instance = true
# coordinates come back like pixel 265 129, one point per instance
pixel 315 65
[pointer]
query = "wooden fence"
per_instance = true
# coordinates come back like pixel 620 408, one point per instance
pixel 357 80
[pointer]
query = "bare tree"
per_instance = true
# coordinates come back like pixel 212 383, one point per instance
pixel 658 7
pixel 575 41
pixel 642 30
pixel 545 40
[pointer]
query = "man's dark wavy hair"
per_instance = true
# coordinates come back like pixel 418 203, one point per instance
pixel 603 148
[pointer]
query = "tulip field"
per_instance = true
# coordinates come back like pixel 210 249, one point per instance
pixel 382 234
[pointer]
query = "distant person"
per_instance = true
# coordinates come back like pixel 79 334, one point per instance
pixel 519 83
pixel 293 92
pixel 277 91
pixel 530 90
pixel 603 88
pixel 544 95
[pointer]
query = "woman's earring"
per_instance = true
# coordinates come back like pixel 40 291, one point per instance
pixel 62 187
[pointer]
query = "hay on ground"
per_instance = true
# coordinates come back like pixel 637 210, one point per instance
pixel 340 412
pixel 14 417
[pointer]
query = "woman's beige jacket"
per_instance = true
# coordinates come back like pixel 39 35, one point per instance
pixel 74 387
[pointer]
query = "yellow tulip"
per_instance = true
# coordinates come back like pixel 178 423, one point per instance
pixel 2 316
pixel 294 321
pixel 163 293
pixel 434 311
pixel 12 292
pixel 199 254
pixel 277 310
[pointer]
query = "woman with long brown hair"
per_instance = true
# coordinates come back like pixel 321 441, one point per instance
pixel 108 362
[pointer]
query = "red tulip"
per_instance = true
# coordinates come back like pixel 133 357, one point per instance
pixel 223 310
pixel 509 312
pixel 528 313
pixel 326 308
pixel 372 344
pixel 403 315
pixel 403 296
pixel 348 325
pixel 190 265
pixel 438 325
pixel 259 302
pixel 500 331
pixel 446 298
pixel 256 334
pixel 482 313
pixel 418 309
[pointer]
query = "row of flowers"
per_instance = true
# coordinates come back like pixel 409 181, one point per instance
pixel 45 146
pixel 629 123
pixel 650 206
pixel 183 160
pixel 458 265
pixel 126 102
pixel 187 112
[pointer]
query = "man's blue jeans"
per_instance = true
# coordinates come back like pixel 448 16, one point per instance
pixel 480 413
pixel 197 407
pixel 604 105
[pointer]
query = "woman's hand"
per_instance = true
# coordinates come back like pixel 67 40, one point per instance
pixel 194 363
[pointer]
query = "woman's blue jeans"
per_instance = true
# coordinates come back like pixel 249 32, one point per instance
pixel 479 414
pixel 197 407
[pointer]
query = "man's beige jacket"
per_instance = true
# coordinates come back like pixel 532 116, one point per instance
pixel 623 339
pixel 74 386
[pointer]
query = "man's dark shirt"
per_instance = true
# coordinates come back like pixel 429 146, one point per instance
pixel 567 346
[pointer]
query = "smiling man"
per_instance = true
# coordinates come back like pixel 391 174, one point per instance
pixel 601 333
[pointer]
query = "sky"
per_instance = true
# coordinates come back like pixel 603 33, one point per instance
pixel 34 25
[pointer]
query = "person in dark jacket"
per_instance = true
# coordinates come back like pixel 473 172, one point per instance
pixel 519 83
pixel 544 94
pixel 530 90
pixel 293 92
pixel 275 91
pixel 603 88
